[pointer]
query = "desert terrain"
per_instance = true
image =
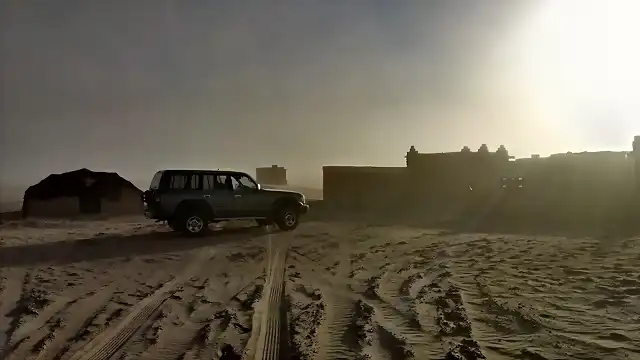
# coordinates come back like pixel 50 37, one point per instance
pixel 130 289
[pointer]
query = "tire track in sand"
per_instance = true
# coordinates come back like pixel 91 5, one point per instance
pixel 50 339
pixel 108 342
pixel 180 344
pixel 341 334
pixel 27 330
pixel 269 320
pixel 12 289
pixel 54 344
pixel 66 323
pixel 363 325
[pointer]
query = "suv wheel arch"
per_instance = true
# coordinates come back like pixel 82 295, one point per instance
pixel 283 202
pixel 282 210
pixel 193 208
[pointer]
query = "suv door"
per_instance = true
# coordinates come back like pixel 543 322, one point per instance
pixel 249 201
pixel 219 195
pixel 180 186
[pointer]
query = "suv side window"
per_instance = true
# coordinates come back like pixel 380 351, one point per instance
pixel 215 182
pixel 243 181
pixel 177 181
pixel 223 182
pixel 208 181
pixel 195 182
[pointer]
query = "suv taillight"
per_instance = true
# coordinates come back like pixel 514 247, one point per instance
pixel 150 197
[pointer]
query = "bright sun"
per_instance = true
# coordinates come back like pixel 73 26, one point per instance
pixel 584 55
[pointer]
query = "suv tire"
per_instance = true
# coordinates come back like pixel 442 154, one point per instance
pixel 287 218
pixel 194 224
pixel 193 218
pixel 192 221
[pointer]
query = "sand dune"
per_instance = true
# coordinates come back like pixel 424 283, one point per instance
pixel 129 289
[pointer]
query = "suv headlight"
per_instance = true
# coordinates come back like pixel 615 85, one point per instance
pixel 302 199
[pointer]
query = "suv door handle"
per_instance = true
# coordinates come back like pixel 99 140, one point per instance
pixel 207 196
pixel 238 196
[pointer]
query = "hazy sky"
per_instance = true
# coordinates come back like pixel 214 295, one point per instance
pixel 135 86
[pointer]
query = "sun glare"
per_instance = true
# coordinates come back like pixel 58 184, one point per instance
pixel 584 55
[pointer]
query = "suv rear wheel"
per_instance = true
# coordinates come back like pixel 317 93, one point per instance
pixel 287 218
pixel 195 225
pixel 192 221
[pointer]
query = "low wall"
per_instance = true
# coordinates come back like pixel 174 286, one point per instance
pixel 364 188
pixel 582 192
pixel 590 193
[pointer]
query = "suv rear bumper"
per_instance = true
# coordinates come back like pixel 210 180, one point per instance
pixel 153 213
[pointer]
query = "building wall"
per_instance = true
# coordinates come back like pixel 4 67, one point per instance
pixel 636 157
pixel 585 174
pixel 449 176
pixel 274 175
pixel 583 191
pixel 363 187
pixel 441 181
pixel 586 167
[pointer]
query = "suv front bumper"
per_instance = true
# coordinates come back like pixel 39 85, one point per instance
pixel 304 208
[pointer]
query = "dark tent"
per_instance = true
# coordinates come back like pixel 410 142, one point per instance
pixel 82 192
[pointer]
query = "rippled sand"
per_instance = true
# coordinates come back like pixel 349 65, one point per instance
pixel 129 289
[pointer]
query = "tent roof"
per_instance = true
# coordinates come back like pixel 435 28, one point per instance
pixel 82 182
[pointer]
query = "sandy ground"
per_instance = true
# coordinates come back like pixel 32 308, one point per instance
pixel 129 289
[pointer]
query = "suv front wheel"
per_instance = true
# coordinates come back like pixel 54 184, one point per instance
pixel 287 218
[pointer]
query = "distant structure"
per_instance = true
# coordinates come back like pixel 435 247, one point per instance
pixel 412 156
pixel 449 175
pixel 582 191
pixel 636 157
pixel 82 192
pixel 273 175
pixel 363 186
pixel 502 152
